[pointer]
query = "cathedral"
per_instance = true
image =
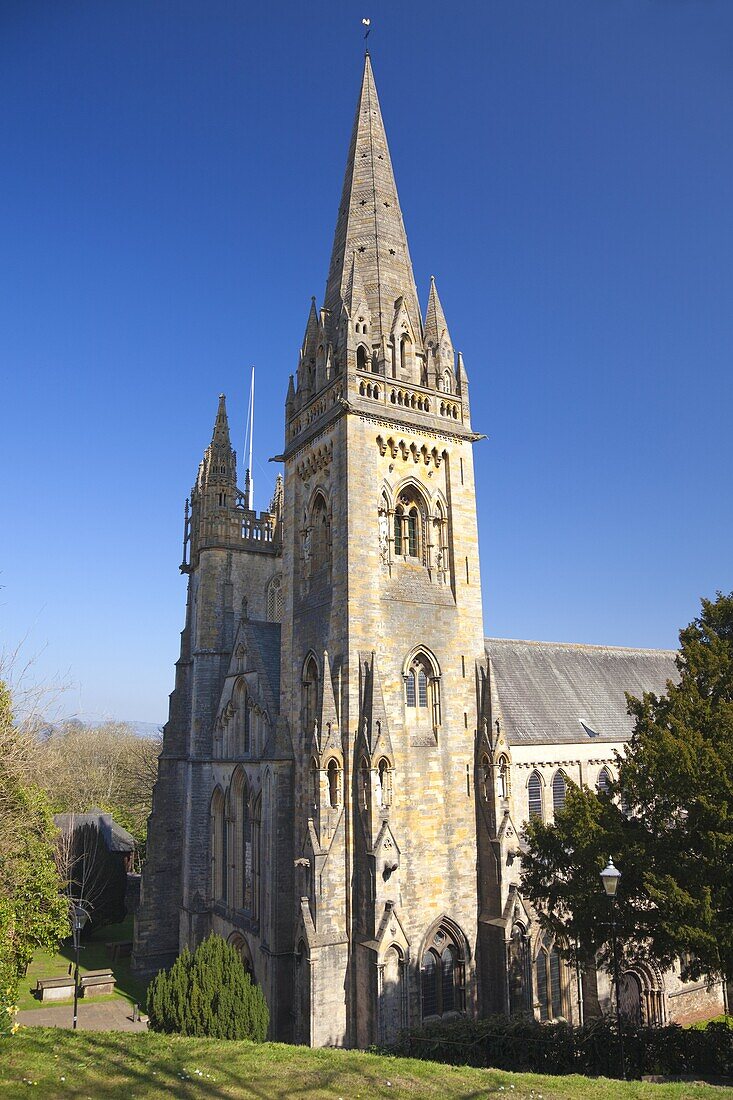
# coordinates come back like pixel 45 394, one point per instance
pixel 348 762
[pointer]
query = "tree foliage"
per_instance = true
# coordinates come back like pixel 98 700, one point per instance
pixel 208 993
pixel 107 766
pixel 668 822
pixel 32 911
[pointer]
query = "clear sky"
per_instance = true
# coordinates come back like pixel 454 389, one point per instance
pixel 170 174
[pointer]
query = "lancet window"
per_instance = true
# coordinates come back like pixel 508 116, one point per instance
pixel 548 977
pixel 310 695
pixel 410 527
pixel 333 775
pixel 275 599
pixel 534 793
pixel 604 781
pixel 218 846
pixel 504 785
pixel 384 782
pixel 559 791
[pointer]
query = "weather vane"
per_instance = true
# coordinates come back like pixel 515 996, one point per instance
pixel 368 24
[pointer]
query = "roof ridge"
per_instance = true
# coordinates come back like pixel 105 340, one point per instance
pixel 584 645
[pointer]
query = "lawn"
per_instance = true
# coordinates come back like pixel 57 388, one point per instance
pixel 92 956
pixel 53 1063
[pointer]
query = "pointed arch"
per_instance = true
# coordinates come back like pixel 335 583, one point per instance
pixel 362 357
pixel 559 790
pixel 310 693
pixel 218 831
pixel 274 598
pixel 534 795
pixel 605 779
pixel 421 675
pixel 444 955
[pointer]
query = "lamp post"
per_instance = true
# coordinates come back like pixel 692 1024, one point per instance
pixel 609 877
pixel 79 917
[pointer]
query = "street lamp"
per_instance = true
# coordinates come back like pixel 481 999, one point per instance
pixel 609 877
pixel 79 917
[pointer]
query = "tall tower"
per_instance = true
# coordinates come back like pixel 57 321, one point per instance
pixel 231 556
pixel 381 632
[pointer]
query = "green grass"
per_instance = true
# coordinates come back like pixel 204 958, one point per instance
pixel 92 956
pixel 53 1063
pixel 702 1024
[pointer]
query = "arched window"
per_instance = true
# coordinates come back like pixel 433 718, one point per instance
pixel 333 774
pixel 409 526
pixel 604 781
pixel 504 787
pixel 256 855
pixel 242 719
pixel 320 550
pixel 447 382
pixel 422 689
pixel 246 848
pixel 520 983
pixel 315 784
pixel 361 357
pixel 364 783
pixel 275 599
pixel 218 846
pixel 534 792
pixel 310 695
pixel 548 973
pixel 405 353
pixel 443 973
pixel 384 773
pixel 559 790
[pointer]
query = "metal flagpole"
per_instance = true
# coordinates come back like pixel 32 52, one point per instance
pixel 251 433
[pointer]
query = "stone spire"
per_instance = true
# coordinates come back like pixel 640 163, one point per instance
pixel 370 224
pixel 220 438
pixel 436 326
pixel 219 465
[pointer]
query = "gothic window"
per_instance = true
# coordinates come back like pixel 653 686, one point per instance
pixel 256 856
pixel 361 357
pixel 534 792
pixel 222 500
pixel 275 599
pixel 243 854
pixel 443 973
pixel 384 775
pixel 319 535
pixel 548 975
pixel 315 784
pixel 559 790
pixel 218 846
pixel 310 695
pixel 447 382
pixel 422 689
pixel 405 353
pixel 409 526
pixel 503 777
pixel 364 784
pixel 333 774
pixel 519 970
pixel 604 781
pixel 243 719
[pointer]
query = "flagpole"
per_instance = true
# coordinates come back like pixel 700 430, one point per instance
pixel 251 433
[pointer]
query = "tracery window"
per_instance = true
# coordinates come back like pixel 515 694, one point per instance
pixel 256 847
pixel 559 791
pixel 218 846
pixel 519 969
pixel 409 526
pixel 534 793
pixel 443 973
pixel 422 689
pixel 320 551
pixel 548 972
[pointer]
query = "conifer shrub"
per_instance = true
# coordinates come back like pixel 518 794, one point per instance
pixel 207 993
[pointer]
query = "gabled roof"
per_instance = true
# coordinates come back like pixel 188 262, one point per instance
pixel 560 693
pixel 116 839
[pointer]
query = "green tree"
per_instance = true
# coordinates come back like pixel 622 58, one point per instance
pixel 32 911
pixel 668 822
pixel 208 993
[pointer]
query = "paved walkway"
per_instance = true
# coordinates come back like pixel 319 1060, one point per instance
pixel 111 1016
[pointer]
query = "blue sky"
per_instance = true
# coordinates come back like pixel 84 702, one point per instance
pixel 170 174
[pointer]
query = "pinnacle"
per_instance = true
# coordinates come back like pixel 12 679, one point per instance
pixel 370 222
pixel 220 437
pixel 436 326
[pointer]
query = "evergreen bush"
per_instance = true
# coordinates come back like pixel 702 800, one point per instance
pixel 521 1043
pixel 208 993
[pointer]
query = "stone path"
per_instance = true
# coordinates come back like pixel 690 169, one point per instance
pixel 112 1016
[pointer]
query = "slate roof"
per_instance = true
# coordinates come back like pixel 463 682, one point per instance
pixel 116 839
pixel 560 693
